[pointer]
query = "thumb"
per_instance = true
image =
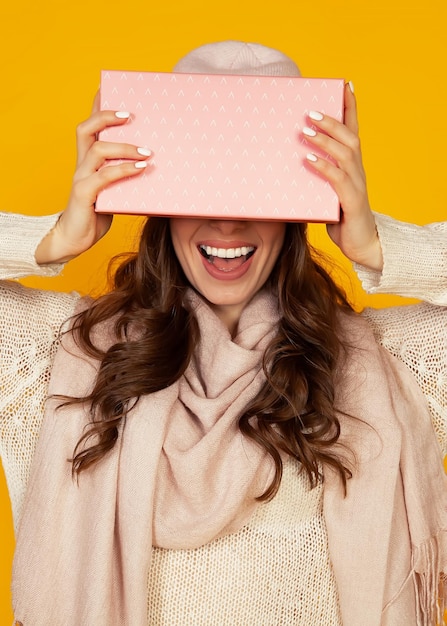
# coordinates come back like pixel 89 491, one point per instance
pixel 350 117
pixel 96 102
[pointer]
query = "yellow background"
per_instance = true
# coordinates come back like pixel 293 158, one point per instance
pixel 52 53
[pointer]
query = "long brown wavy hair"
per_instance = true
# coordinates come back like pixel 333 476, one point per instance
pixel 294 412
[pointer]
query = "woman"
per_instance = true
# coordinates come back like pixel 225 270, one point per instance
pixel 224 442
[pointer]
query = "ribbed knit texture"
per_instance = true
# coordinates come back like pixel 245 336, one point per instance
pixel 237 57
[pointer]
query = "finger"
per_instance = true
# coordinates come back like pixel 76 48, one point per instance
pixel 85 190
pixel 346 155
pixel 323 126
pixel 87 131
pixel 102 152
pixel 337 177
pixel 346 133
pixel 349 187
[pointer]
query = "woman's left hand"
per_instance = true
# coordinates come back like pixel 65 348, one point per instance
pixel 356 233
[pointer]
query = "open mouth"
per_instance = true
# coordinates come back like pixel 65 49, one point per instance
pixel 226 259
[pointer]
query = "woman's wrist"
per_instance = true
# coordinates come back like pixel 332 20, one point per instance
pixel 48 251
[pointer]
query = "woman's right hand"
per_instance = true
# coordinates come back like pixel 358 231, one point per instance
pixel 355 234
pixel 79 227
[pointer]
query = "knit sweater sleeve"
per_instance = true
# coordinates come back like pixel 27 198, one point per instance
pixel 19 236
pixel 415 261
pixel 30 320
pixel 415 265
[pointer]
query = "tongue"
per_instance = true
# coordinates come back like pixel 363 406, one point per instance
pixel 226 265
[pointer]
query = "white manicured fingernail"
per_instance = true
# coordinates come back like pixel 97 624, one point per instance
pixel 122 115
pixel 144 151
pixel 140 164
pixel 351 86
pixel 309 131
pixel 315 115
pixel 311 157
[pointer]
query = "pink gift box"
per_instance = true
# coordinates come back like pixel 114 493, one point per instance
pixel 223 146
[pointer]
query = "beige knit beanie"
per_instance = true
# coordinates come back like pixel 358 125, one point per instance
pixel 237 57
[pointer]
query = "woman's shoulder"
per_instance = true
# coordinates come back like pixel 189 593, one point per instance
pixel 31 309
pixel 417 335
pixel 14 293
pixel 420 324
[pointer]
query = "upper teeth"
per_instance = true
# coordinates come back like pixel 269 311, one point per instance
pixel 227 253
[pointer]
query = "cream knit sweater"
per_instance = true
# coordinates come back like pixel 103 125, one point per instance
pixel 276 570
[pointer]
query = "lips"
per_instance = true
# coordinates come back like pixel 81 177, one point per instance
pixel 226 263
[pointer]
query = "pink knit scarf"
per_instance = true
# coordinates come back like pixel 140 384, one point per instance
pixel 181 474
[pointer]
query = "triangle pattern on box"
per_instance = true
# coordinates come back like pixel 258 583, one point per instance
pixel 223 146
